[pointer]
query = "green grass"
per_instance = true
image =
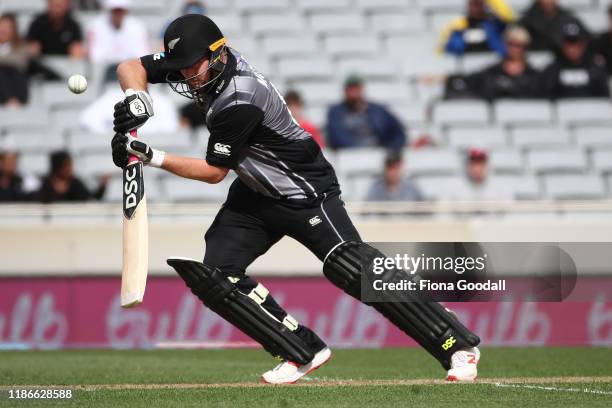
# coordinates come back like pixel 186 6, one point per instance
pixel 71 368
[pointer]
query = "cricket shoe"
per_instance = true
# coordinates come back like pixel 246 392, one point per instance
pixel 464 365
pixel 289 372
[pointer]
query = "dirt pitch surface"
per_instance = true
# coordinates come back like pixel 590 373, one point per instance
pixel 539 377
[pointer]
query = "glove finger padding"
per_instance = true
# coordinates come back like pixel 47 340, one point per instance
pixel 119 150
pixel 132 112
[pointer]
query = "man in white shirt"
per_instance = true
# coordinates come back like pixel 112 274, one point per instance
pixel 116 36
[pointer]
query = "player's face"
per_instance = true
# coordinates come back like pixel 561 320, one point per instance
pixel 198 74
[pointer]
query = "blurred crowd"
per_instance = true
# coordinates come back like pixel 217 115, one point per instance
pixel 581 68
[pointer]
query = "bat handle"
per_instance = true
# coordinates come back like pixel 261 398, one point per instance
pixel 132 158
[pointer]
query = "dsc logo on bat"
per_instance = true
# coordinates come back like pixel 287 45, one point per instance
pixel 133 188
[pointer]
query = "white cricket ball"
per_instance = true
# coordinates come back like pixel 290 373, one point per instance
pixel 77 83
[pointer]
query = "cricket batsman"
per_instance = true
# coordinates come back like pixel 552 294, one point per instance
pixel 285 186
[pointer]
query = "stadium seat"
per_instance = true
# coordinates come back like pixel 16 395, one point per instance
pixel 440 19
pixel 454 5
pixel 470 63
pixel 66 66
pixel 593 137
pixel 397 23
pixel 525 187
pixel 318 92
pixel 602 161
pixel 411 114
pixel 329 23
pixel 232 24
pixel 303 68
pixel 343 45
pixel 360 186
pixel 596 20
pixel 261 6
pixel 176 142
pixel 246 45
pixel 387 92
pixel 323 5
pixel 506 161
pixel 360 161
pixel 521 112
pixel 364 66
pixel 147 6
pixel 266 24
pixel 461 112
pixel 587 111
pixel 83 142
pixel 34 163
pixel 57 94
pixel 37 142
pixel 439 187
pixel 66 119
pixel 317 114
pixel 539 137
pixel 95 164
pixel 24 118
pixel 184 190
pixel 557 161
pixel 574 187
pixel 290 45
pixel 23 6
pixel 540 59
pixel 482 137
pixel 391 5
pixel 432 161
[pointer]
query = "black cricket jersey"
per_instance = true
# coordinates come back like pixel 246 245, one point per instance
pixel 253 132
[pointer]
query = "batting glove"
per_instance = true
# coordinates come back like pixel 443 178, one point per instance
pixel 123 146
pixel 132 112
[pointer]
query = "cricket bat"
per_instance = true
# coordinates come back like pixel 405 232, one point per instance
pixel 135 234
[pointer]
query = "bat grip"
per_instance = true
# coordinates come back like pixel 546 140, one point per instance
pixel 132 158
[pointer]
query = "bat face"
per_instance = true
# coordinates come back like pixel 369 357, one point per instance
pixel 133 188
pixel 135 235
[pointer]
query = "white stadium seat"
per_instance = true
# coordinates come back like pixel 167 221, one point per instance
pixel 506 161
pixel 398 23
pixel 290 45
pixel 458 5
pixel 432 161
pixel 602 161
pixel 593 136
pixel 84 142
pixel 387 92
pixel 352 45
pixel 265 24
pixel 583 111
pixel 513 112
pixel 318 92
pixel 461 112
pixel 34 163
pixel 24 118
pixel 393 5
pixel 323 5
pixel 525 187
pixel 573 187
pixel 231 24
pixel 184 190
pixel 557 161
pixel 360 161
pixel 482 137
pixel 539 137
pixel 95 164
pixel 296 68
pixel 56 93
pixel 439 187
pixel 37 142
pixel 260 6
pixel 364 66
pixel 329 23
pixel 23 6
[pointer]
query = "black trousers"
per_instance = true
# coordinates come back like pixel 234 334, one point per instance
pixel 248 224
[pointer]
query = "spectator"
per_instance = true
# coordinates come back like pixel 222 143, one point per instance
pixel 116 36
pixel 479 30
pixel 513 77
pixel 296 106
pixel 356 122
pixel 14 59
pixel 478 186
pixel 97 117
pixel 62 185
pixel 603 44
pixel 394 186
pixel 11 183
pixel 55 32
pixel 575 73
pixel 545 20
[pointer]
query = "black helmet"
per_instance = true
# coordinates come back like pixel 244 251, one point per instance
pixel 188 39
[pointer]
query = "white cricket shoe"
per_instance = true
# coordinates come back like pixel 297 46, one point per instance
pixel 289 372
pixel 464 365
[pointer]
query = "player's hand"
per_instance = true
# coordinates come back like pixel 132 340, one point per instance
pixel 132 112
pixel 123 146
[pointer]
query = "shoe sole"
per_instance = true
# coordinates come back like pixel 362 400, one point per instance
pixel 305 374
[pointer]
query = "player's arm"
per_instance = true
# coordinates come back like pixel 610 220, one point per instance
pixel 137 107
